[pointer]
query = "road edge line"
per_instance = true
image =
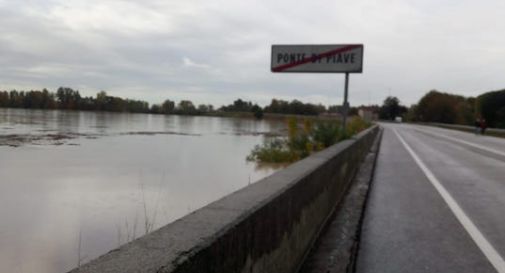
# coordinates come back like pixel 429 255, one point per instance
pixel 487 249
pixel 465 142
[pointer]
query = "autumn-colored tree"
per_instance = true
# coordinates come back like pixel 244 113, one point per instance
pixel 491 106
pixel 441 107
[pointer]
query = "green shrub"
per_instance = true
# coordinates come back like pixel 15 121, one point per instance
pixel 303 139
pixel 272 151
pixel 327 133
pixel 356 125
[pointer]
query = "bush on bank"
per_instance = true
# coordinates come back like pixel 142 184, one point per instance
pixel 304 138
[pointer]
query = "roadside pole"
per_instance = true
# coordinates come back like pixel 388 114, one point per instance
pixel 346 103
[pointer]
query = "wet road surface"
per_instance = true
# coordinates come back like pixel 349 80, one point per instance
pixel 437 203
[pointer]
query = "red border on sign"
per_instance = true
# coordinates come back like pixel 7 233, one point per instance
pixel 314 58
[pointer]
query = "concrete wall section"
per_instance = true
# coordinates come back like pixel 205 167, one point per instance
pixel 266 227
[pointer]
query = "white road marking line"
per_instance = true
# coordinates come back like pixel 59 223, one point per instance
pixel 489 251
pixel 464 142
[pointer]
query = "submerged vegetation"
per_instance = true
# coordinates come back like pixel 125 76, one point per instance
pixel 304 138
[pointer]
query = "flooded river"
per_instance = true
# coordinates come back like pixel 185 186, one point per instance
pixel 74 185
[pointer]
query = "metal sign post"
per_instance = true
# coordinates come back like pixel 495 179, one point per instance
pixel 346 103
pixel 346 59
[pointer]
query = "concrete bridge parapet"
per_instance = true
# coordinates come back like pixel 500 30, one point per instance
pixel 268 226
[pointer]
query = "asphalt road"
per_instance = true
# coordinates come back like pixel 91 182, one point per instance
pixel 437 203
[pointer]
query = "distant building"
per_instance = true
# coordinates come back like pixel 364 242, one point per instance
pixel 368 113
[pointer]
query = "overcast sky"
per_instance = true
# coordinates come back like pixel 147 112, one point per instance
pixel 214 51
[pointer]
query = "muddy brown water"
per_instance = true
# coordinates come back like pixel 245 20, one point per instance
pixel 74 185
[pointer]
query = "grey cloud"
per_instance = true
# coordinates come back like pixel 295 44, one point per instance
pixel 215 51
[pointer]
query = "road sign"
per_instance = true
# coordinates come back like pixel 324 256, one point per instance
pixel 346 58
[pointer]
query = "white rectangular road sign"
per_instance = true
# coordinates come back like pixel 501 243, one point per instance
pixel 317 58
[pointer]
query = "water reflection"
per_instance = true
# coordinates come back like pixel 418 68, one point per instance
pixel 105 189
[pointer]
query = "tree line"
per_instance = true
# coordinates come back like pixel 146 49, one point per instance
pixel 442 107
pixel 70 99
pixel 434 106
pixel 66 98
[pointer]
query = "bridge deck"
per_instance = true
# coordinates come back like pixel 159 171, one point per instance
pixel 438 207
